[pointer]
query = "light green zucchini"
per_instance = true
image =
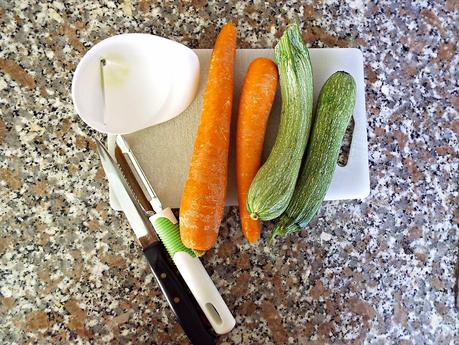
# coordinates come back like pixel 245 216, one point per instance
pixel 273 185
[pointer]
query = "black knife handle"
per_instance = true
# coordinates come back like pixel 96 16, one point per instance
pixel 178 296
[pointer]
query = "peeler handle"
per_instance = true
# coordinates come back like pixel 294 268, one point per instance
pixel 206 294
pixel 193 273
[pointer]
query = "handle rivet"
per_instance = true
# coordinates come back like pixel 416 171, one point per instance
pixel 163 275
pixel 176 300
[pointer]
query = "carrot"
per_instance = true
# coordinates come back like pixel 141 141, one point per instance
pixel 257 97
pixel 203 199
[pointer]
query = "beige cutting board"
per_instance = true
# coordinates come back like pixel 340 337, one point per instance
pixel 164 150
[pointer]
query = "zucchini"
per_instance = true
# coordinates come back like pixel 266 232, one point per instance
pixel 274 183
pixel 334 110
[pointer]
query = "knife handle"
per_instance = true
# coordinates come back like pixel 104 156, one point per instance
pixel 177 295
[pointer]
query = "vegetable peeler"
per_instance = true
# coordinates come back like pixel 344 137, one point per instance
pixel 171 284
pixel 167 228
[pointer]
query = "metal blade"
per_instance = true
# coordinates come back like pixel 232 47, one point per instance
pixel 103 62
pixel 130 178
pixel 133 211
pixel 139 174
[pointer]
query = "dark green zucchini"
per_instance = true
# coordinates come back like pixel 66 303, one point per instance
pixel 334 110
pixel 273 185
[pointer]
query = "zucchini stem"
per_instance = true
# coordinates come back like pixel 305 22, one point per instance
pixel 278 230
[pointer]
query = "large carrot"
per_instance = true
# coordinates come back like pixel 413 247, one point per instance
pixel 257 97
pixel 203 199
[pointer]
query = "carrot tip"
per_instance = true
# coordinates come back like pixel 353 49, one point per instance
pixel 252 241
pixel 254 216
pixel 199 253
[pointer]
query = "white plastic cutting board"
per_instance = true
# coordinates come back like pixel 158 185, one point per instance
pixel 164 150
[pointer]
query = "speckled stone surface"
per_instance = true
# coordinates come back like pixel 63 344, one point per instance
pixel 377 271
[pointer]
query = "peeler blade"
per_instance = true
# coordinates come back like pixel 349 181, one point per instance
pixel 139 174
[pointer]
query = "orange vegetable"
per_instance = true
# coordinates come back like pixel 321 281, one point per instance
pixel 203 199
pixel 257 97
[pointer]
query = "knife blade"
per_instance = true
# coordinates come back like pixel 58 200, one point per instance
pixel 167 228
pixel 171 284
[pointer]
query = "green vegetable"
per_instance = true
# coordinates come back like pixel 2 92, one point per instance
pixel 334 110
pixel 273 185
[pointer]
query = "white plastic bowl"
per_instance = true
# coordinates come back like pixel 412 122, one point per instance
pixel 147 80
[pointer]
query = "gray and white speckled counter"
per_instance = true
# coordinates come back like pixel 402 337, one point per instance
pixel 71 271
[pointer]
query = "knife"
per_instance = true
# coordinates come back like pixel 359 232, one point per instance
pixel 167 228
pixel 171 284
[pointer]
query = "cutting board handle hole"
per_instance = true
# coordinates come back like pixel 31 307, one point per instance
pixel 346 145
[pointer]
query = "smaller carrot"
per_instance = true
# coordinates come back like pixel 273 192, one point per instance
pixel 257 97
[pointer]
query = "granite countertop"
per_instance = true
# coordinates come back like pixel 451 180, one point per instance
pixel 376 271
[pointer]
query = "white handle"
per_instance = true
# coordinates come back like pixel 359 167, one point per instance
pixel 205 292
pixel 200 284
